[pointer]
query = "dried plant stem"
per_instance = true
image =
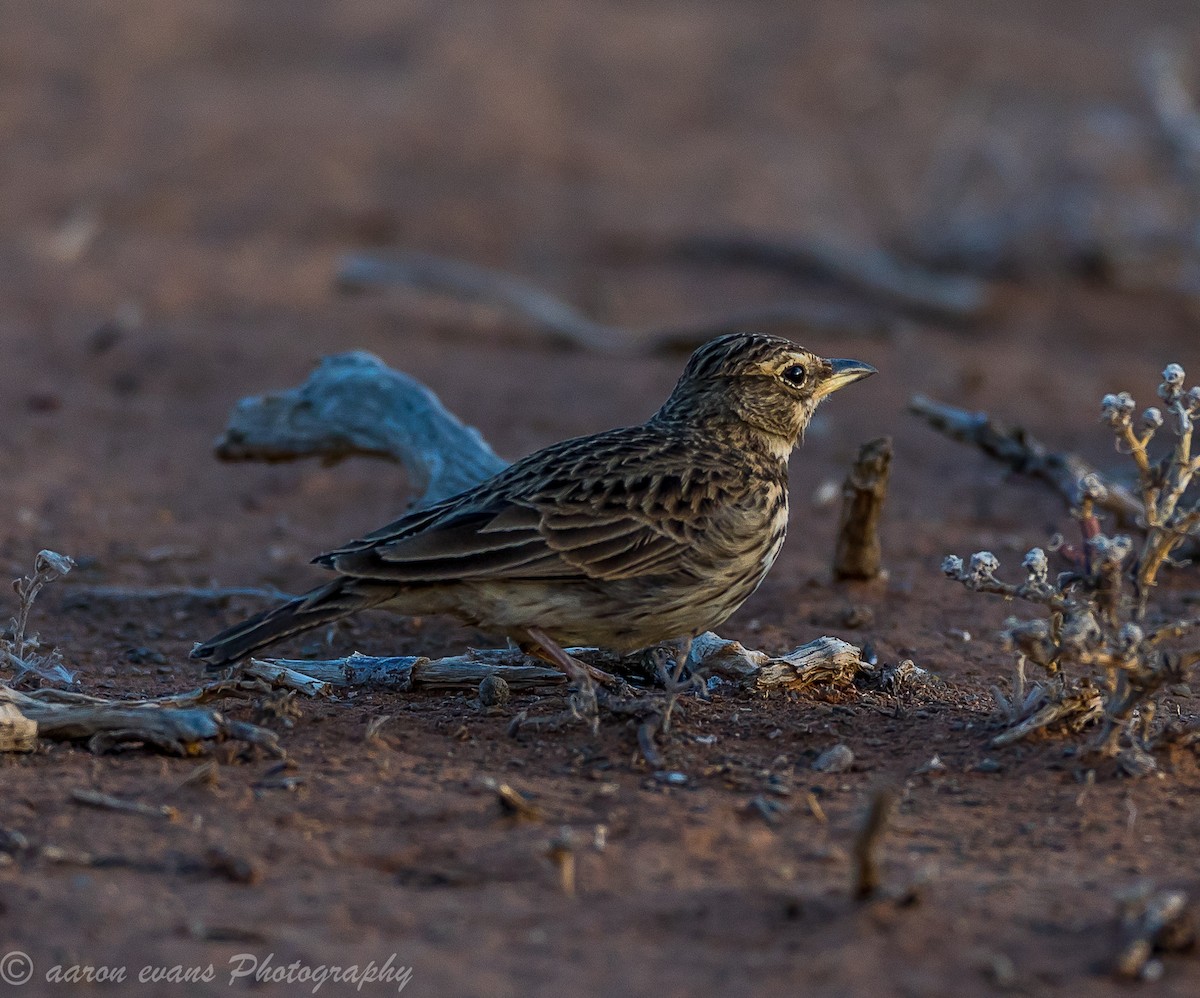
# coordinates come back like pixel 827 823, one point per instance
pixel 859 552
pixel 1025 455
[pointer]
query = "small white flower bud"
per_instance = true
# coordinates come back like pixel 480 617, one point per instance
pixel 1116 409
pixel 1111 550
pixel 1172 383
pixel 1080 629
pixel 1036 565
pixel 1130 637
pixel 983 566
pixel 952 565
pixel 1092 486
pixel 1152 418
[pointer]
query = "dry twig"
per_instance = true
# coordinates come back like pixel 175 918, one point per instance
pixel 17 732
pixel 825 662
pixel 354 404
pixel 873 273
pixel 165 723
pixel 107 802
pixel 1023 454
pixel 563 323
pixel 859 553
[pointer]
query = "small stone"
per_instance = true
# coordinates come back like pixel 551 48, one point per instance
pixel 987 765
pixel 837 759
pixel 494 691
pixel 1136 762
pixel 857 616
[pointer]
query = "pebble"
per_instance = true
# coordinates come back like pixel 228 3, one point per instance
pixel 837 759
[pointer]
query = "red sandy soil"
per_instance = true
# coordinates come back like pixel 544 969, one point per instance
pixel 217 158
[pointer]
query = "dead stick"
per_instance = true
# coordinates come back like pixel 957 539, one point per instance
pixel 859 553
pixel 871 272
pixel 564 323
pixel 94 798
pixel 1025 455
pixel 354 404
pixel 823 662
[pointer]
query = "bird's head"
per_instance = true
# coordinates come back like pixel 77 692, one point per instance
pixel 764 383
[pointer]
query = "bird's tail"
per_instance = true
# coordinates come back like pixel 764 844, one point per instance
pixel 320 606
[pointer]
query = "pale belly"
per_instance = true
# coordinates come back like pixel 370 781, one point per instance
pixel 627 614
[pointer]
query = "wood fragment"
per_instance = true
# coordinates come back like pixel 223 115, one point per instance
pixel 375 727
pixel 107 802
pixel 405 673
pixel 826 661
pixel 354 404
pixel 281 677
pixel 563 323
pixel 859 552
pixel 18 733
pixel 1023 454
pixel 515 804
pixel 866 845
pixel 63 715
pixel 1075 710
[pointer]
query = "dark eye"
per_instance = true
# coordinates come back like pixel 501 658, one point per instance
pixel 795 375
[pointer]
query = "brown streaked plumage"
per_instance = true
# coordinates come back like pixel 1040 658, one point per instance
pixel 622 539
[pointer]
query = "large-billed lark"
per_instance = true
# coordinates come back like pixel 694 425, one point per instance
pixel 623 539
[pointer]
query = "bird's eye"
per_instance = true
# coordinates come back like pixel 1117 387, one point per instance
pixel 795 375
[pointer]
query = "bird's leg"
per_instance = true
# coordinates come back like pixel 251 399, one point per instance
pixel 548 650
pixel 583 701
pixel 674 682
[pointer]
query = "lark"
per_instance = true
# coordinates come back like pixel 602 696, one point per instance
pixel 624 539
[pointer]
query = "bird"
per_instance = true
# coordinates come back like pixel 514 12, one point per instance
pixel 624 539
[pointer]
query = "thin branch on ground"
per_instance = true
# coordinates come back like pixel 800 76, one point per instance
pixel 563 323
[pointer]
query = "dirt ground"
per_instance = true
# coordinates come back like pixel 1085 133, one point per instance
pixel 180 180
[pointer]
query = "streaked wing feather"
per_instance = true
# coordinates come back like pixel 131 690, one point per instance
pixel 580 509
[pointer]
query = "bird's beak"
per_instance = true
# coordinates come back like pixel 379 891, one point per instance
pixel 845 372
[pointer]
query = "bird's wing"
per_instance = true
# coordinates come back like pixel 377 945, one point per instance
pixel 595 508
pixel 514 541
